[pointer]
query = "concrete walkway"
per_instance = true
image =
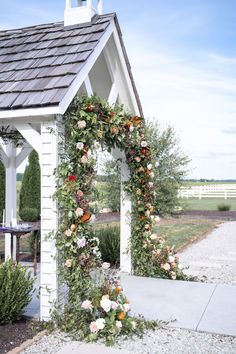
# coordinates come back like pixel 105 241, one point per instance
pixel 191 305
pixel 196 306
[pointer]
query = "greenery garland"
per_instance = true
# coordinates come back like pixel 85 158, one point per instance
pixel 96 305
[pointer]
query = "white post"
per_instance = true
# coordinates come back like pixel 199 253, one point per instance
pixel 100 7
pixel 10 196
pixel 68 4
pixel 125 223
pixel 49 222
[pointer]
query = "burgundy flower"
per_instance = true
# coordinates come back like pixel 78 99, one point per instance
pixel 71 178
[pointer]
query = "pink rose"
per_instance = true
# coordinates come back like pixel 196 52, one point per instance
pixel 165 266
pixel 93 327
pixel 68 232
pixel 87 305
pixel 80 146
pixel 79 212
pixel 81 124
pixel 84 159
pixel 153 236
pixel 114 305
pixel 137 159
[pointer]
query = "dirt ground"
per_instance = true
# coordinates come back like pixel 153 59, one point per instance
pixel 12 335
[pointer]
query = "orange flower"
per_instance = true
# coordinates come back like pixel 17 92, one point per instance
pixel 121 315
pixel 136 120
pixel 118 289
pixel 115 130
pixel 127 124
pixel 86 217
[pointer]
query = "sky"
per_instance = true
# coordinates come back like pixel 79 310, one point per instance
pixel 183 58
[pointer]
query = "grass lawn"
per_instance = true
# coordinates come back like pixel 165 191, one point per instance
pixel 208 203
pixel 178 232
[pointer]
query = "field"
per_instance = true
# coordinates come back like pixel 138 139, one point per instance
pixel 208 203
pixel 178 232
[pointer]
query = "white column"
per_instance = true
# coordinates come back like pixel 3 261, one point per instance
pixel 125 214
pixel 68 4
pixel 100 7
pixel 10 195
pixel 49 220
pixel 125 223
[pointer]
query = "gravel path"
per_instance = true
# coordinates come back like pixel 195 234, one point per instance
pixel 213 257
pixel 162 341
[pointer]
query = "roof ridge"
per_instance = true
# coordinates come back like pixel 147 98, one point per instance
pixel 51 24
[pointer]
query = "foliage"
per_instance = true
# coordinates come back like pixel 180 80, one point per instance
pixel 112 172
pixel 29 214
pixel 109 243
pixel 172 166
pixel 30 189
pixel 16 285
pixel 2 189
pixel 89 123
pixel 223 207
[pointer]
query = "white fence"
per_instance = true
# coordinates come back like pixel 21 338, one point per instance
pixel 209 191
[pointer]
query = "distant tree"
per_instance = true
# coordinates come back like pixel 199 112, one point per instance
pixel 29 208
pixel 2 189
pixel 172 168
pixel 111 192
pixel 170 174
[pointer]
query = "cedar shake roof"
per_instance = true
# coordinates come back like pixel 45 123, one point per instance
pixel 39 63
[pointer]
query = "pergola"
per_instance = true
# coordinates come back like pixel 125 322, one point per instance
pixel 42 68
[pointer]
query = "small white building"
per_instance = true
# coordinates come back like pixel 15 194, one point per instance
pixel 42 68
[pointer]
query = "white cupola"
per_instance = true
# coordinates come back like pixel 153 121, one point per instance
pixel 83 12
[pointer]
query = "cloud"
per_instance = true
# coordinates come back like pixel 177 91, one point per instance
pixel 197 99
pixel 231 131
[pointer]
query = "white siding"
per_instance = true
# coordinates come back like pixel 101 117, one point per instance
pixel 49 160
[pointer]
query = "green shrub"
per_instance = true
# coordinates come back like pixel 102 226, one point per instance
pixel 223 207
pixel 29 214
pixel 16 285
pixel 109 246
pixel 30 187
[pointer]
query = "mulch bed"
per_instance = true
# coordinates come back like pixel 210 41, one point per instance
pixel 12 335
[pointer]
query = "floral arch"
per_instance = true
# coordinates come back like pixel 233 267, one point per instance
pixel 90 121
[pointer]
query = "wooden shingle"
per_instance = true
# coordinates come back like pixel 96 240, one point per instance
pixel 39 63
